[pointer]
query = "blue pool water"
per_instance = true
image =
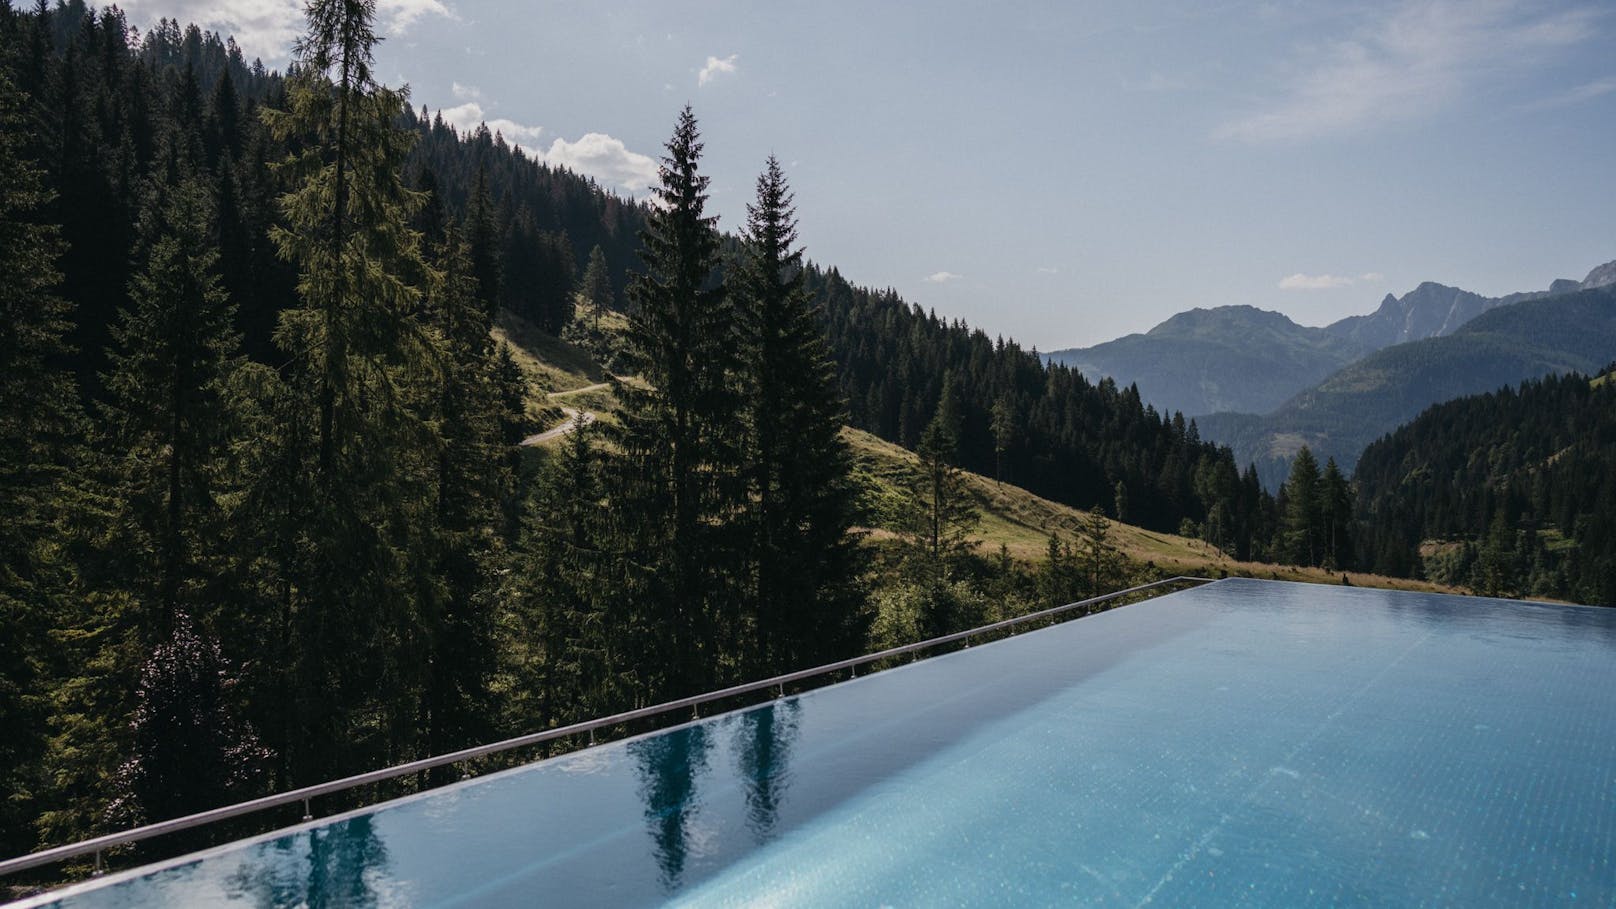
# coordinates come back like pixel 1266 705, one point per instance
pixel 1246 742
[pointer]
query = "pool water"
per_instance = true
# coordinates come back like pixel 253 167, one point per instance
pixel 1241 743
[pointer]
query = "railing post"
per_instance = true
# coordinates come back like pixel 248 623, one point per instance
pixel 307 814
pixel 99 869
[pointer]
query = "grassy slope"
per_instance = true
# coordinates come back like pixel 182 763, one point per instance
pixel 1011 516
pixel 1023 523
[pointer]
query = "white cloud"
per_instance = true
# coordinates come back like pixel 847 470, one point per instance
pixel 942 277
pixel 1048 270
pixel 1371 276
pixel 1421 56
pixel 465 92
pixel 715 68
pixel 605 159
pixel 1300 281
pixel 468 116
pixel 267 28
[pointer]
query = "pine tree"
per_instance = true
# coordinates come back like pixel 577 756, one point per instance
pixel 355 462
pixel 596 285
pixel 40 425
pixel 677 489
pixel 470 463
pixel 169 413
pixel 1102 564
pixel 939 515
pixel 569 646
pixel 1335 517
pixel 1004 432
pixel 1301 524
pixel 1056 582
pixel 482 234
pixel 804 561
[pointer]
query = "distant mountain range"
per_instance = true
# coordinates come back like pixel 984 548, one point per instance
pixel 1359 403
pixel 1244 359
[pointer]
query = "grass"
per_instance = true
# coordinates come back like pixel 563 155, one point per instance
pixel 550 363
pixel 1022 522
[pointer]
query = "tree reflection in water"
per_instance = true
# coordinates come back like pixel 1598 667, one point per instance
pixel 668 765
pixel 763 740
pixel 323 868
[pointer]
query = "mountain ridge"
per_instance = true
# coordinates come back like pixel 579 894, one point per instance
pixel 1243 359
pixel 1340 415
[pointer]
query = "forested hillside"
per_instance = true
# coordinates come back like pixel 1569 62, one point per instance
pixel 1511 493
pixel 268 522
pixel 1348 410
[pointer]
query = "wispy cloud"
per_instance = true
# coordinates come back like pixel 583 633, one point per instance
pixel 1588 91
pixel 1048 270
pixel 267 28
pixel 942 277
pixel 716 67
pixel 466 92
pixel 1407 64
pixel 1301 282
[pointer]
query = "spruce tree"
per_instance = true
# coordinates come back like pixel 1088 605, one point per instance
pixel 169 411
pixel 804 566
pixel 937 518
pixel 1300 527
pixel 677 489
pixel 596 285
pixel 1335 517
pixel 1101 563
pixel 483 237
pixel 458 614
pixel 40 428
pixel 355 466
pixel 568 646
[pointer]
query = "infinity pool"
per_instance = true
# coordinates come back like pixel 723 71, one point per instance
pixel 1245 742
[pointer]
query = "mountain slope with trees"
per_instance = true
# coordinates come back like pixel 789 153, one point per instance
pixel 1239 359
pixel 268 519
pixel 1339 416
pixel 1510 493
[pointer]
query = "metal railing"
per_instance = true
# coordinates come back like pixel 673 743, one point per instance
pixel 98 845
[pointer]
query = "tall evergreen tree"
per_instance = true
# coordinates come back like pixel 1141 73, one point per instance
pixel 678 490
pixel 356 473
pixel 939 515
pixel 40 427
pixel 483 236
pixel 803 568
pixel 169 413
pixel 1300 527
pixel 1101 563
pixel 596 285
pixel 458 612
pixel 1335 517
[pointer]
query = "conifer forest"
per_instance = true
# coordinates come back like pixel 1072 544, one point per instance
pixel 267 517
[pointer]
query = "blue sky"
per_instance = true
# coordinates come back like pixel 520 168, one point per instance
pixel 1065 173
